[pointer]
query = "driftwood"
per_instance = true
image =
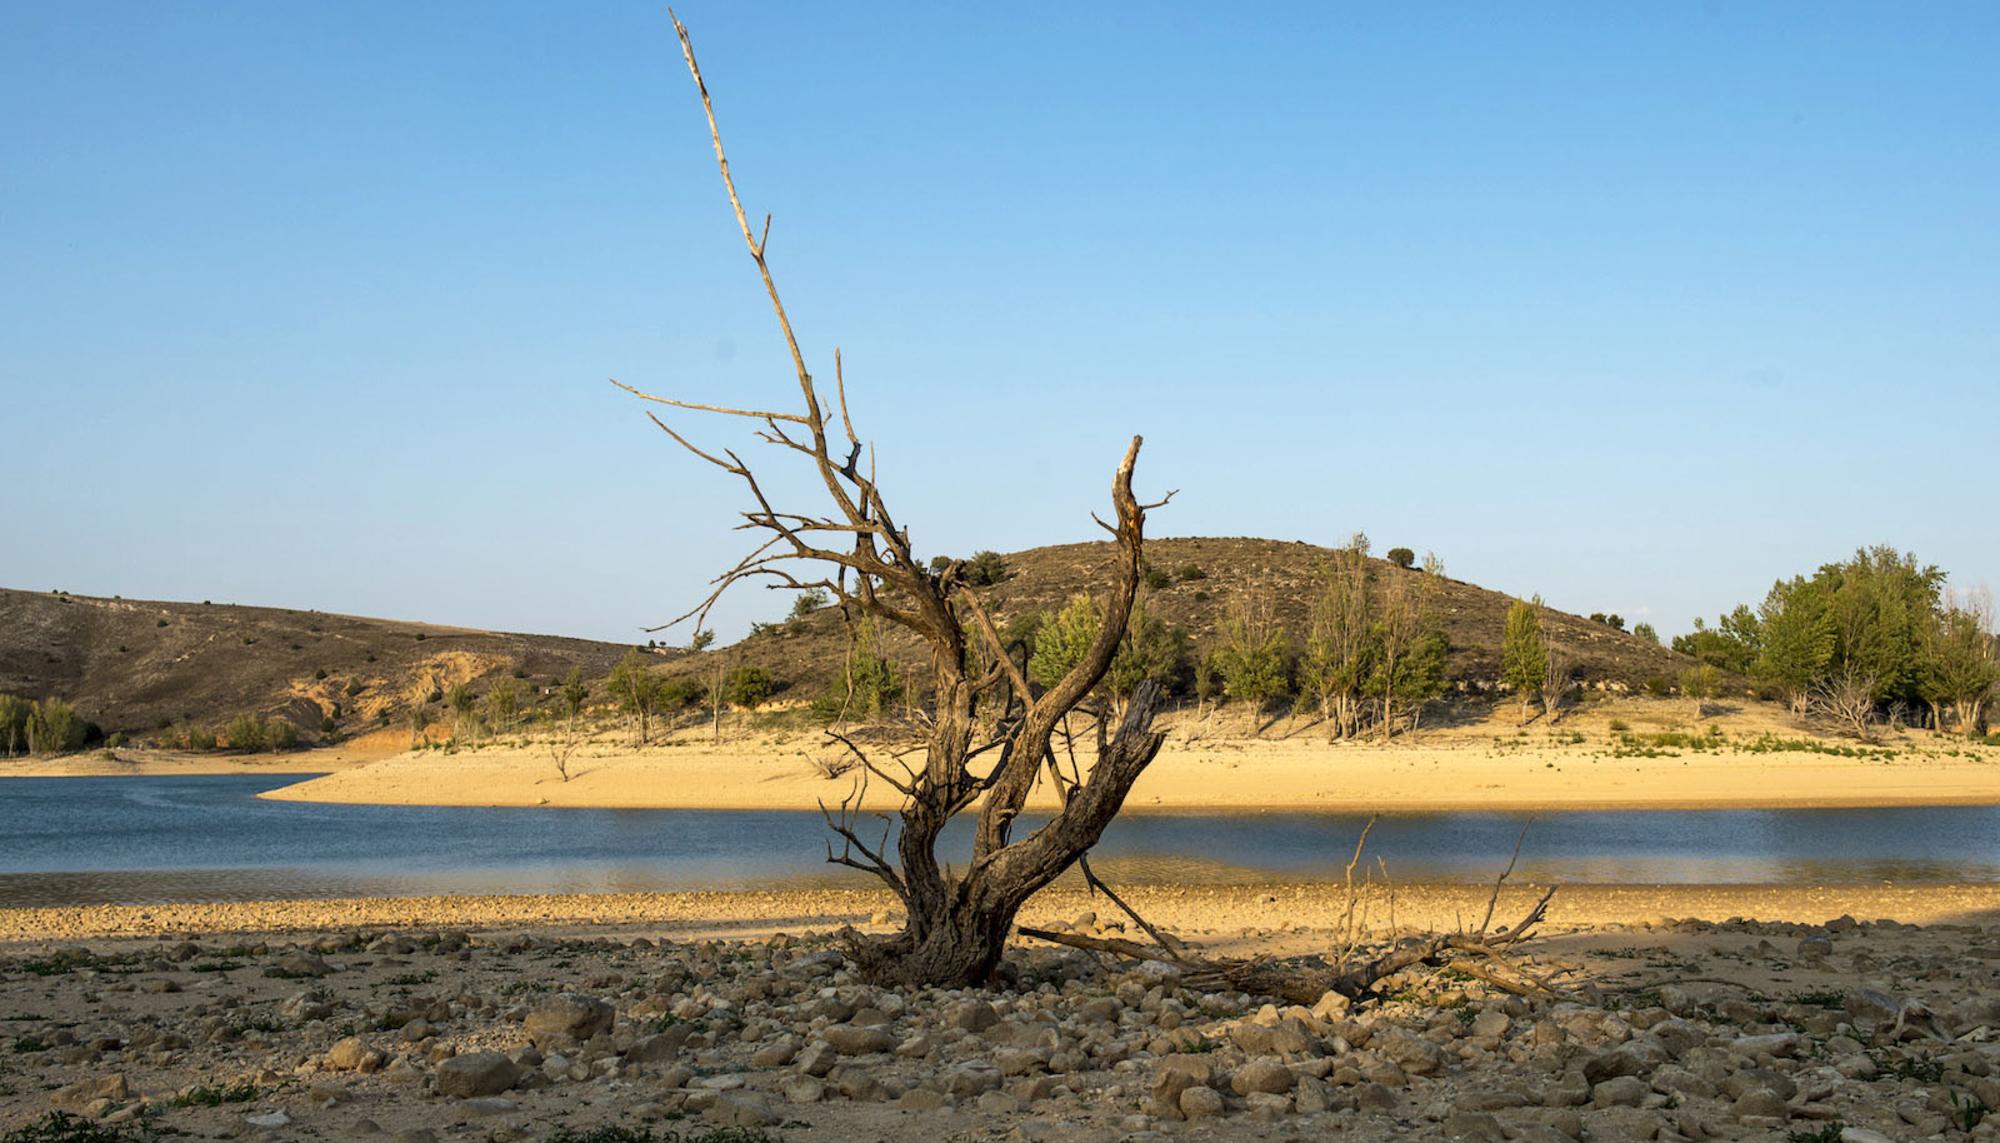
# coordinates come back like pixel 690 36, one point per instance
pixel 1485 953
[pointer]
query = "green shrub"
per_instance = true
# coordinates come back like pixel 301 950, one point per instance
pixel 807 602
pixel 118 738
pixel 1191 572
pixel 746 687
pixel 678 693
pixel 54 728
pixel 1402 557
pixel 985 568
pixel 1658 686
pixel 13 723
pixel 244 734
pixel 1157 580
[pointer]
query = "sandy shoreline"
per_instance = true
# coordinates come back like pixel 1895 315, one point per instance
pixel 1207 909
pixel 1247 776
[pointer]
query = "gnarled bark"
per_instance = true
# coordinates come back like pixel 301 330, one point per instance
pixel 853 549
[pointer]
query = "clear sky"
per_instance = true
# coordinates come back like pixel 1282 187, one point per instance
pixel 1637 306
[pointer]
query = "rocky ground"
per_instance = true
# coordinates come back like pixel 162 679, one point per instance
pixel 1733 1030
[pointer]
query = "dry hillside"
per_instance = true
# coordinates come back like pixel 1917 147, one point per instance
pixel 132 665
pixel 806 655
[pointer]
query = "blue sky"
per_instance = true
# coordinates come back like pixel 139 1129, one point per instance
pixel 1635 306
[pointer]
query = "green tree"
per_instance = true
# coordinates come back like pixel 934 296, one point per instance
pixel 1062 639
pixel 54 727
pixel 1335 664
pixel 1402 557
pixel 1958 665
pixel 575 692
pixel 1645 631
pixel 807 602
pixel 702 640
pixel 462 701
pixel 1151 650
pixel 502 702
pixel 1732 644
pixel 869 684
pixel 1701 683
pixel 985 568
pixel 1254 657
pixel 1408 664
pixel 1523 660
pixel 1797 637
pixel 636 690
pixel 13 723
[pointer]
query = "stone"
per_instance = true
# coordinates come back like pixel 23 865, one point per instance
pixel 1374 1097
pixel 661 1047
pixel 1263 1074
pixel 1491 1024
pixel 802 1089
pixel 1313 1095
pixel 924 1099
pixel 1760 1101
pixel 775 1054
pixel 487 1105
pixel 971 1078
pixel 1619 1091
pixel 744 1109
pixel 1201 1103
pixel 475 1074
pixel 817 1059
pixel 302 964
pixel 1474 1125
pixel 1413 1054
pixel 352 1055
pixel 83 1093
pixel 859 1040
pixel 567 1018
pixel 973 1016
pixel 269 1120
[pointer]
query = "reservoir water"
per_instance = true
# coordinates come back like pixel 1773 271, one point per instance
pixel 69 841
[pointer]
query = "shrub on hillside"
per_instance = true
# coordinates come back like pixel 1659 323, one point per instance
pixel 746 687
pixel 55 728
pixel 244 734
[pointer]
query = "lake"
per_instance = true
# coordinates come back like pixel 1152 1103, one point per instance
pixel 69 841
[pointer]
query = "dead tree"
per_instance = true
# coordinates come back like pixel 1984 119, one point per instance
pixel 853 548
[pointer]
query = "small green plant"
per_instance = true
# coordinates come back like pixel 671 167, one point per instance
pixel 1200 1047
pixel 1620 726
pixel 1968 1111
pixel 648 1135
pixel 1832 1000
pixel 209 1096
pixel 28 1045
pixel 62 1127
pixel 1828 1132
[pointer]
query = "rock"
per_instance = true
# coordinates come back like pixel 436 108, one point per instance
pixel 83 1093
pixel 1631 1059
pixel 661 1047
pixel 1263 1074
pixel 1312 1096
pixel 1760 1101
pixel 973 1016
pixel 1474 1125
pixel 301 964
pixel 971 1078
pixel 1332 1006
pixel 1417 1056
pixel 1374 1097
pixel 818 1058
pixel 859 1040
pixel 1863 1135
pixel 924 1099
pixel 1778 1044
pixel 1491 1024
pixel 1201 1103
pixel 744 1109
pixel 476 1073
pixel 487 1105
pixel 567 1018
pixel 1619 1091
pixel 268 1120
pixel 802 1089
pixel 775 1054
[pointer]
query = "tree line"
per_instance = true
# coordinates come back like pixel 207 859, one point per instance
pixel 1871 637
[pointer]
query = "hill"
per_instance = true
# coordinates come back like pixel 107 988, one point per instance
pixel 1205 575
pixel 139 665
